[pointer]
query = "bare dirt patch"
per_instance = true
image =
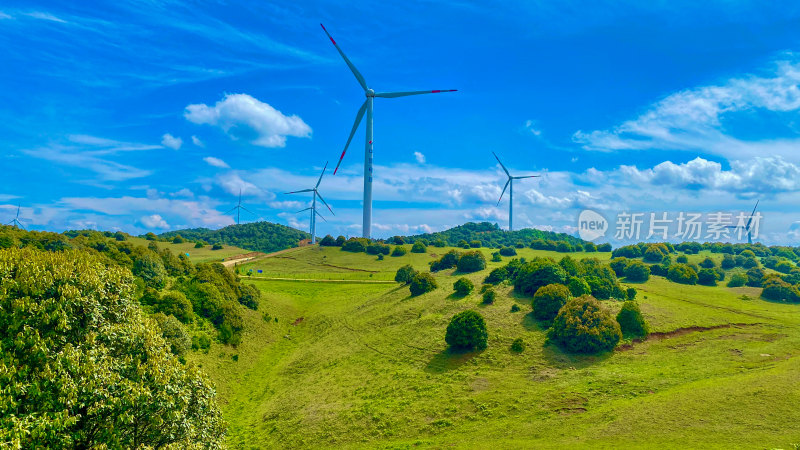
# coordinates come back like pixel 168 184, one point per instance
pixel 661 335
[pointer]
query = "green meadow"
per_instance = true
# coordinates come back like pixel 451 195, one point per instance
pixel 364 365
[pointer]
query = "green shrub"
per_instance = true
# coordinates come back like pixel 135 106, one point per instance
pixel 471 262
pixel 518 345
pixel 216 247
pixel 176 304
pixel 475 244
pixel 439 243
pixel 447 261
pixel 398 240
pixel 463 244
pixel 548 300
pixel 583 326
pixel 380 257
pixel 755 275
pixel 463 287
pixel 778 290
pixel 422 283
pixel 497 275
pixel 376 248
pixel 489 296
pixel 173 332
pixel 328 241
pixel 682 259
pixel 496 257
pixel 653 255
pixel 418 247
pixel 535 274
pixel 682 273
pixel 619 264
pixel 514 307
pixel 737 279
pixel 630 293
pixel 708 263
pixel 340 240
pixel 467 330
pixel 508 251
pixel 199 245
pixel 178 239
pixel 728 261
pixel 355 245
pixel 578 287
pixel 637 272
pixel 149 268
pixel 399 251
pixel 707 277
pixel 631 321
pixel 405 274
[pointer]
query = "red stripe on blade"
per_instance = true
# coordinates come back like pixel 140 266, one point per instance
pixel 436 91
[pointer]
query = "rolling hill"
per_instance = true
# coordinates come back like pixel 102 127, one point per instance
pixel 491 235
pixel 257 236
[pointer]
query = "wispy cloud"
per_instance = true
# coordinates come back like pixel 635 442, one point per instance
pixel 419 157
pixel 45 16
pixel 216 162
pixel 694 119
pixel 171 141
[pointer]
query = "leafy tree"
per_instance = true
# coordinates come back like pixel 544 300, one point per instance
pixel 355 245
pixel 120 236
pixel 589 247
pixel 778 290
pixel 578 287
pixel 82 367
pixel 340 240
pixel 178 240
pixel 628 251
pixel 172 331
pixel 497 275
pixel 376 248
pixel 508 251
pixel 564 247
pixel 471 262
pixel 754 276
pixel 548 300
pixel 418 247
pixel 682 259
pixel 518 345
pixel 537 273
pixel 249 296
pixel 584 326
pixel 447 261
pixel 653 255
pixel 149 268
pixel 463 244
pixel 737 279
pixel 439 243
pixel 174 303
pixel 682 273
pixel 422 283
pixel 475 243
pixel 631 321
pixel 604 247
pixel 216 247
pixel 637 272
pixel 489 295
pixel 150 236
pixel 707 277
pixel 467 330
pixel 463 287
pixel 398 240
pixel 199 245
pixel 708 263
pixel 619 264
pixel 399 251
pixel 496 257
pixel 570 266
pixel 328 241
pixel 630 293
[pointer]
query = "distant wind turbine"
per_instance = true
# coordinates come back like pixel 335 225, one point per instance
pixel 367 107
pixel 239 208
pixel 510 185
pixel 747 226
pixel 313 207
pixel 15 222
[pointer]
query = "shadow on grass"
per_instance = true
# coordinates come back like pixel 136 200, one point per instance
pixel 561 359
pixel 457 296
pixel 448 359
pixel 532 324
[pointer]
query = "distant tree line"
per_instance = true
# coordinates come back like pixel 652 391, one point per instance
pixel 257 236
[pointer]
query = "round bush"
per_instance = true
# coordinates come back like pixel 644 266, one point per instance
pixel 514 308
pixel 682 273
pixel 496 275
pixel 682 259
pixel 630 293
pixel 418 247
pixel 637 272
pixel 471 262
pixel 489 296
pixel 467 330
pixel 405 274
pixel 355 245
pixel 707 277
pixel 518 345
pixel 583 326
pixel 619 264
pixel 548 300
pixel 631 321
pixel 422 283
pixel 707 263
pixel 216 247
pixel 399 251
pixel 508 251
pixel 578 287
pixel 535 274
pixel 463 287
pixel 328 241
pixel 653 254
pixel 198 245
pixel 738 279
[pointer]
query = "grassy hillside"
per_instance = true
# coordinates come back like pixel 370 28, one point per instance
pixel 257 236
pixel 491 235
pixel 196 255
pixel 365 365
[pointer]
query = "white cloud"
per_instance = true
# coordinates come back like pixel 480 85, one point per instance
pixel 216 162
pixel 288 204
pixel 154 221
pixel 4 15
pixel 419 157
pixel 171 141
pixel 45 16
pixel 196 141
pixel 695 119
pixel 232 183
pixel 184 193
pixel 530 125
pixel 241 116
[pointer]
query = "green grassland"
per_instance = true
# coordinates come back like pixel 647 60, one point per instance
pixel 366 366
pixel 196 255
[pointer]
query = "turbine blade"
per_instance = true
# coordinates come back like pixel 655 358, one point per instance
pixel 501 164
pixel 325 203
pixel 405 94
pixel 747 227
pixel 320 175
pixel 526 176
pixel 19 224
pixel 353 69
pixel 297 192
pixel 504 191
pixel 230 210
pixel 251 212
pixel 306 209
pixel 359 116
pixel 320 215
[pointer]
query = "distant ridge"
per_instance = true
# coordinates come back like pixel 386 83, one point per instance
pixel 491 235
pixel 256 236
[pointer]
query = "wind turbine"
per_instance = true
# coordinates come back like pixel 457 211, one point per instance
pixel 510 184
pixel 239 208
pixel 313 207
pixel 747 226
pixel 367 107
pixel 15 222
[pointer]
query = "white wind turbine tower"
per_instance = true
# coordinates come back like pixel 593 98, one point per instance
pixel 367 107
pixel 510 185
pixel 239 208
pixel 313 207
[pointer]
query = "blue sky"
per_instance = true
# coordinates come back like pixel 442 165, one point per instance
pixel 150 116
